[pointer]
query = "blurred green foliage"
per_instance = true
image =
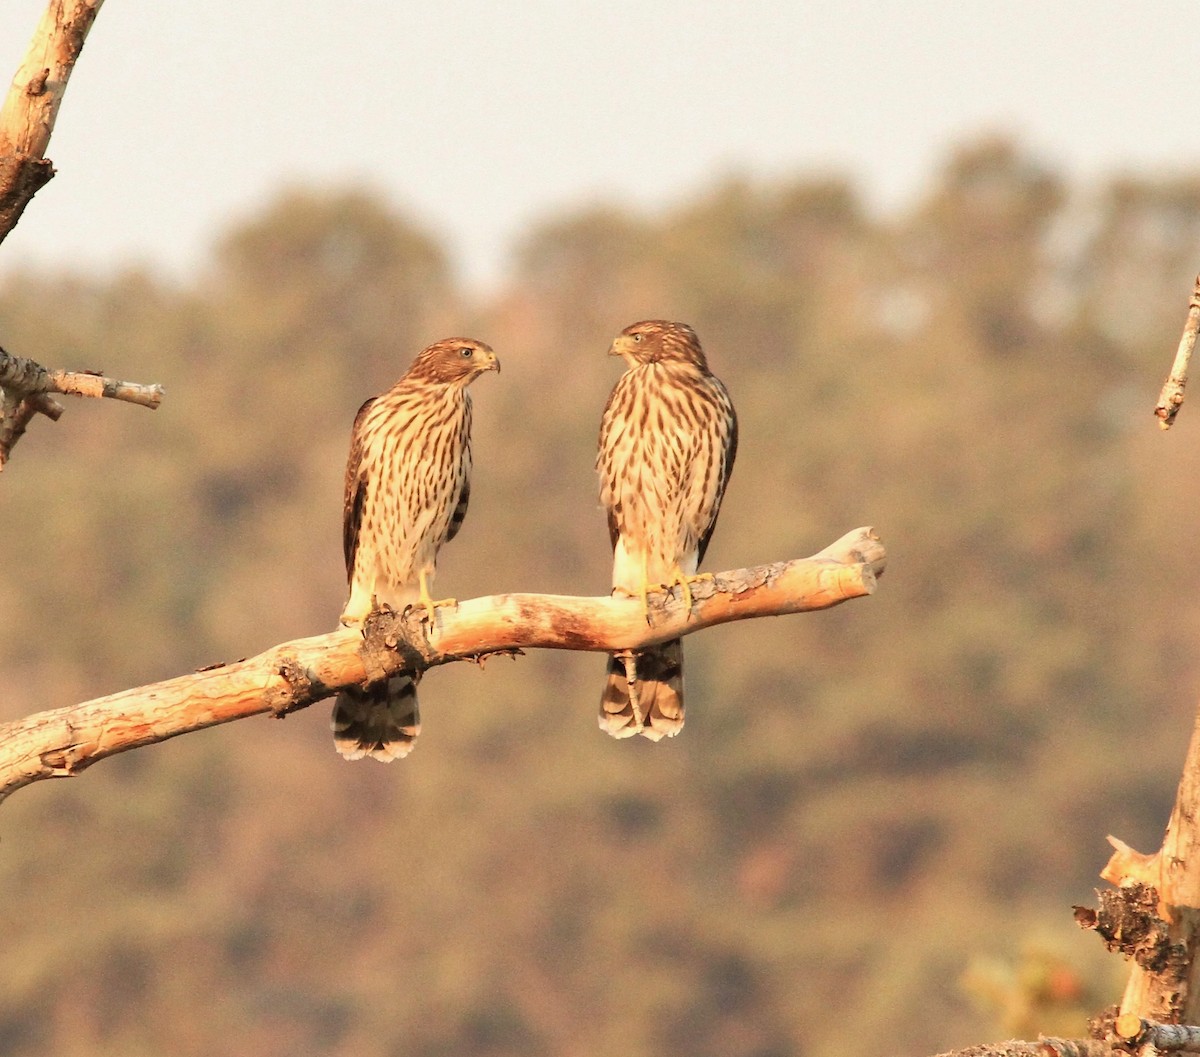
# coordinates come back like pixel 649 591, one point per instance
pixel 867 805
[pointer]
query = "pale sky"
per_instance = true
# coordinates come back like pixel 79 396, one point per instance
pixel 478 117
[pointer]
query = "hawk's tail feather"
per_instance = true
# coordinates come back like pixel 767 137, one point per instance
pixel 644 693
pixel 382 721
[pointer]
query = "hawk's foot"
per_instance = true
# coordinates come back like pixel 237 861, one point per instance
pixel 679 579
pixel 685 585
pixel 642 595
pixel 430 603
pixel 358 608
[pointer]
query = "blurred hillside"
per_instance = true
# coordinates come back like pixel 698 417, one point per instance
pixel 865 804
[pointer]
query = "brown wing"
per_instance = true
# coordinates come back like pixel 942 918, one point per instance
pixel 356 491
pixel 614 531
pixel 461 434
pixel 460 510
pixel 727 456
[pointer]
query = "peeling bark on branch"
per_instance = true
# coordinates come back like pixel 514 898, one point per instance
pixel 26 122
pixel 1044 1047
pixel 25 387
pixel 1158 920
pixel 31 106
pixel 1135 1032
pixel 27 377
pixel 63 742
pixel 1130 1035
pixel 1128 922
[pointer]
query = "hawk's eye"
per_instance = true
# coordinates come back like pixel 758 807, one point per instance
pixel 637 337
pixel 464 352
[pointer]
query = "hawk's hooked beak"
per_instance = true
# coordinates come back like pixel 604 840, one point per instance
pixel 623 346
pixel 493 363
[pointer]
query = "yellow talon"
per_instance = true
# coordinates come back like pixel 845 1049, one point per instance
pixel 428 601
pixel 678 579
pixel 685 584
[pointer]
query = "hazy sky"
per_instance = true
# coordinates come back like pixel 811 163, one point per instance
pixel 480 116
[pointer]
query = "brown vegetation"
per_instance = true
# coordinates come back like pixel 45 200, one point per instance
pixel 859 807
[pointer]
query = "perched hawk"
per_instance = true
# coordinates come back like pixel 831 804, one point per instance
pixel 408 480
pixel 667 443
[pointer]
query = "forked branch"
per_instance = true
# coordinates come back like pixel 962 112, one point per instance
pixel 1152 917
pixel 63 742
pixel 25 388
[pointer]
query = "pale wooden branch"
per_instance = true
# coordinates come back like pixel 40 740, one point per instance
pixel 27 376
pixel 25 387
pixel 63 742
pixel 1045 1046
pixel 1154 918
pixel 1134 1031
pixel 1170 400
pixel 31 106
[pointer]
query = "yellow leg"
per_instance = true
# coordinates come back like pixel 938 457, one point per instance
pixel 685 584
pixel 678 577
pixel 646 587
pixel 428 601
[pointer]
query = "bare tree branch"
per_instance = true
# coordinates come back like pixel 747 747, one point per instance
pixel 1170 400
pixel 15 415
pixel 1154 917
pixel 25 387
pixel 1045 1046
pixel 28 377
pixel 63 742
pixel 31 107
pixel 1134 1031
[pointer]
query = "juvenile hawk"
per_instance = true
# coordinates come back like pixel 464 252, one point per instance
pixel 408 480
pixel 668 439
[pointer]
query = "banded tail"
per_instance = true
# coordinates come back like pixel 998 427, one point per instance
pixel 644 693
pixel 382 721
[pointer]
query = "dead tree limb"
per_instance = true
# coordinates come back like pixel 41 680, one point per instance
pixel 293 675
pixel 1135 1032
pixel 25 388
pixel 1154 916
pixel 31 106
pixel 1170 400
pixel 1043 1047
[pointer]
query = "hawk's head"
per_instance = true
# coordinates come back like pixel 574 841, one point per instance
pixel 454 361
pixel 658 340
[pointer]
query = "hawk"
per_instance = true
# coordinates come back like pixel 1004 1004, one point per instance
pixel 668 439
pixel 408 480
